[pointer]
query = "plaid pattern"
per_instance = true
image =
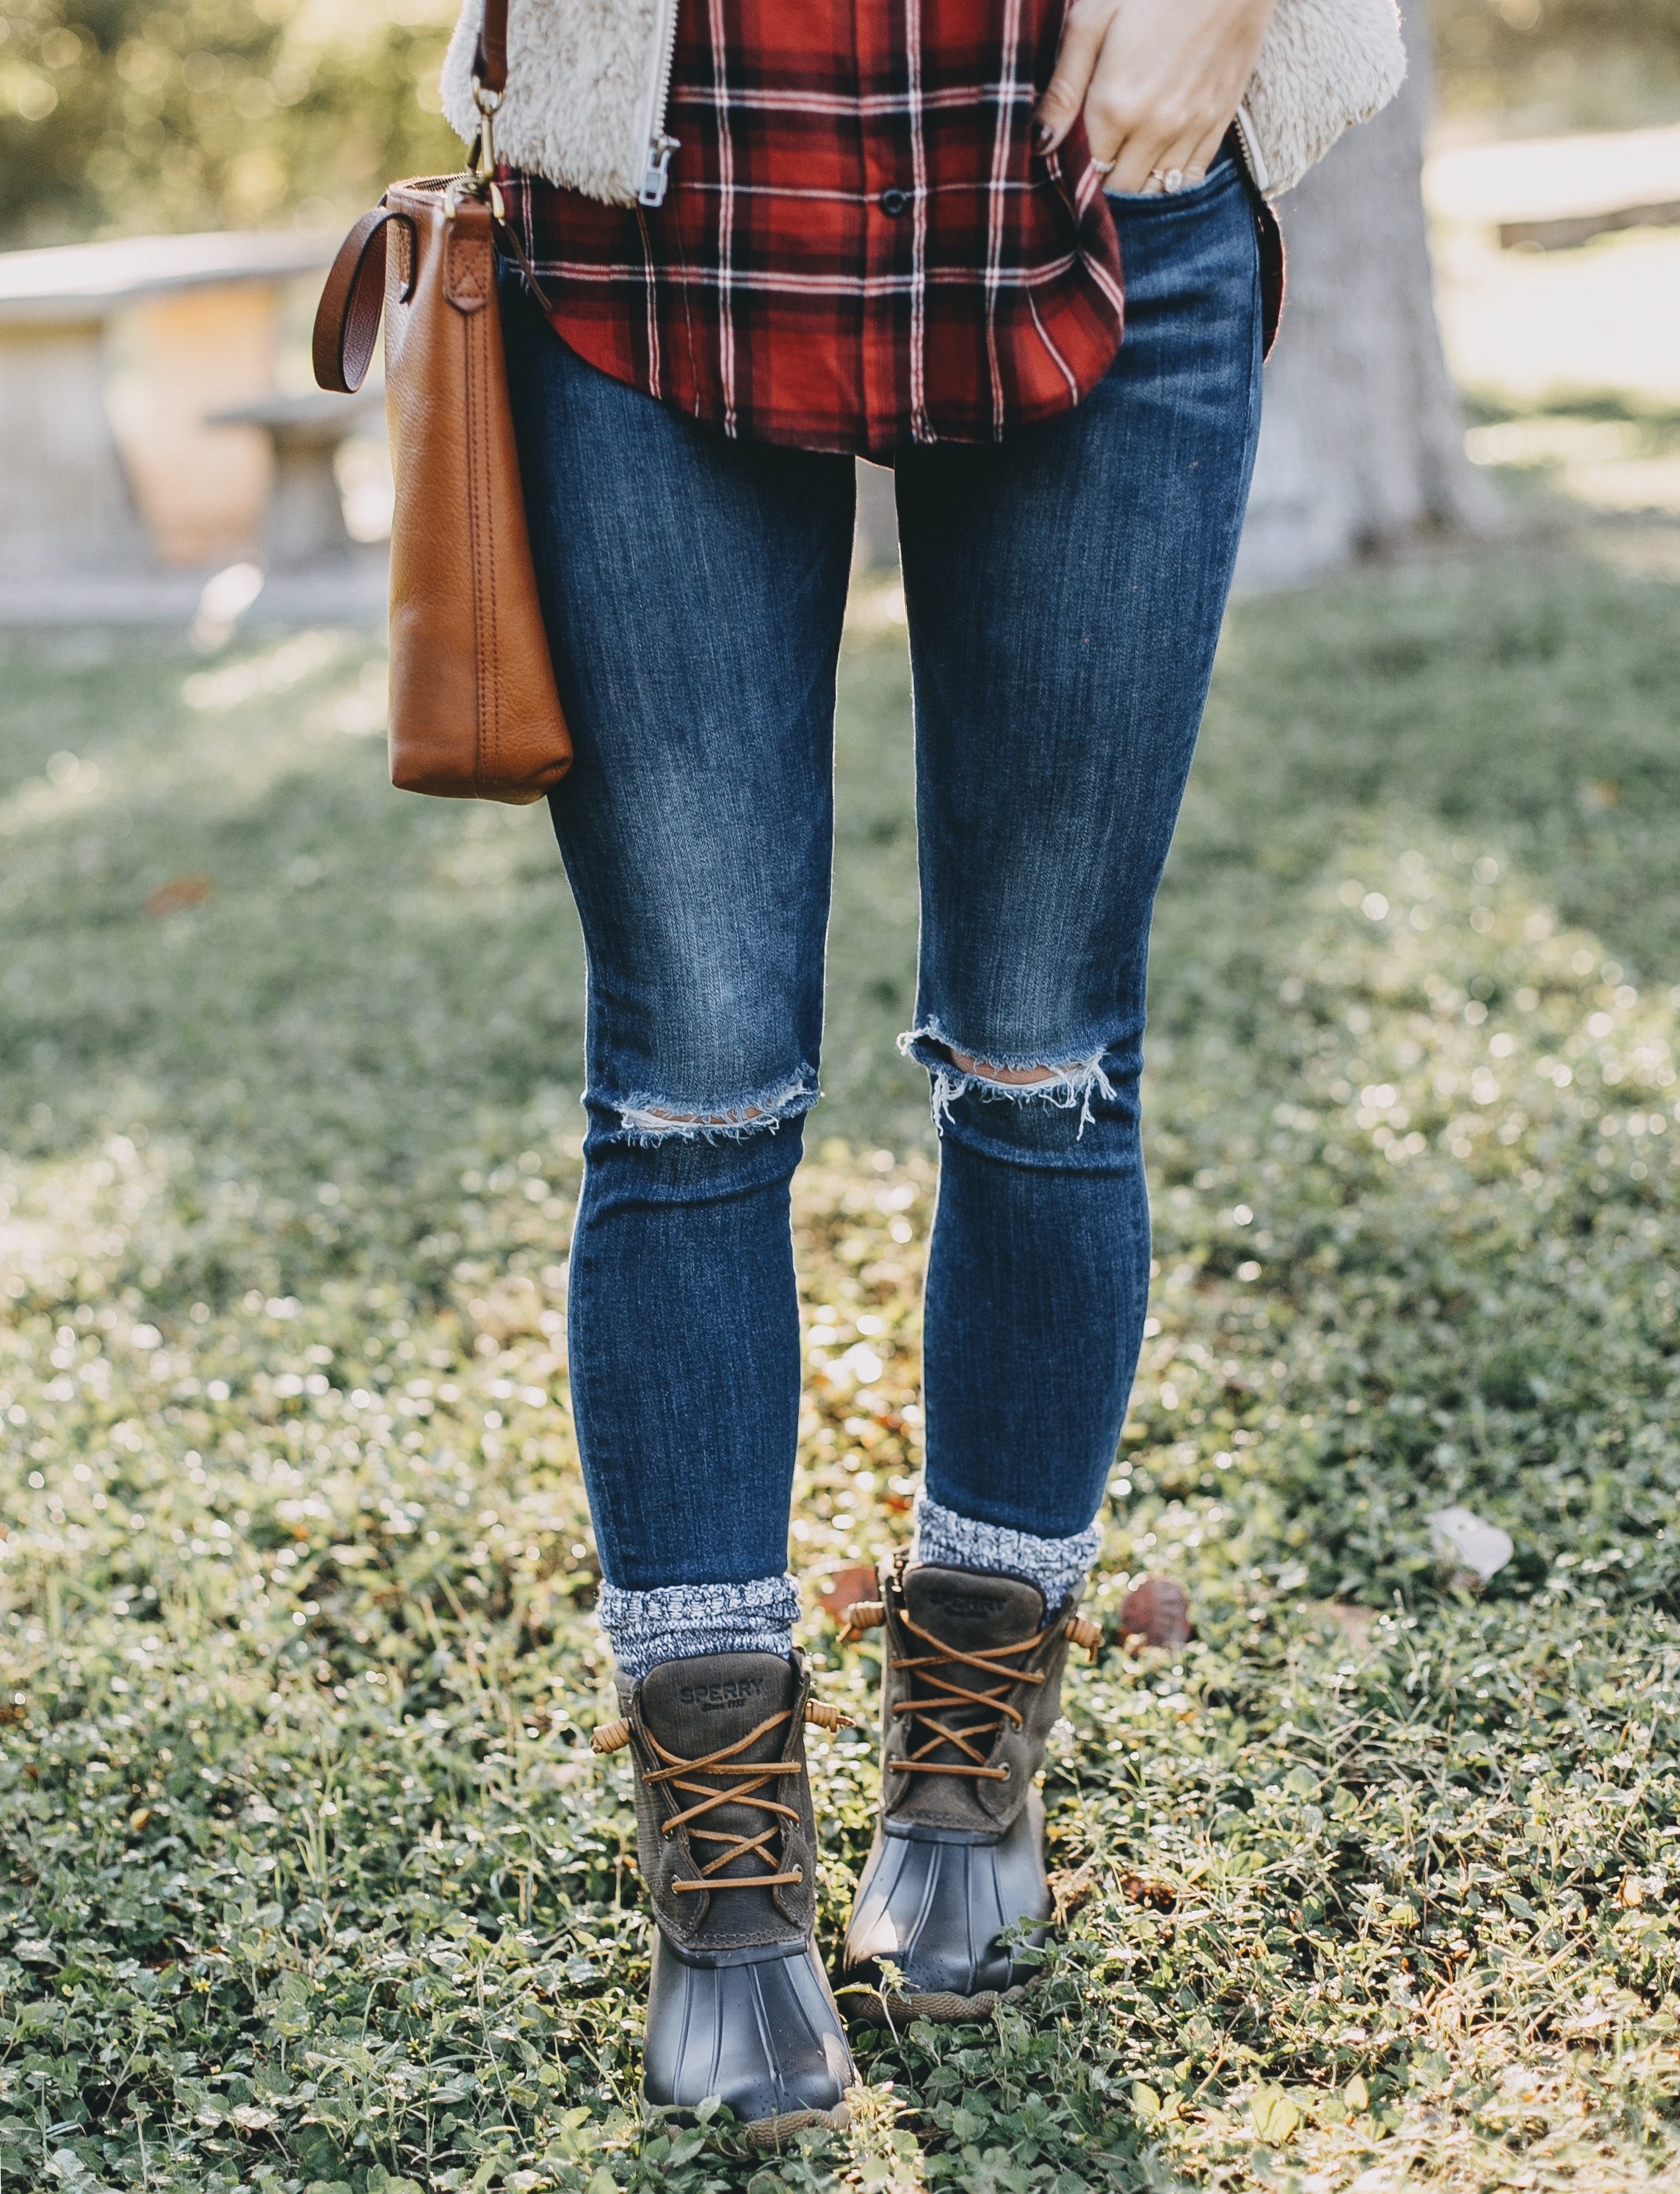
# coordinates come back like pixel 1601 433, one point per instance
pixel 859 247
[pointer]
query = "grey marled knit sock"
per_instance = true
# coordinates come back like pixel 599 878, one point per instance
pixel 1056 1566
pixel 675 1621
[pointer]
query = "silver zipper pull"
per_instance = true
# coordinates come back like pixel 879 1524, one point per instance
pixel 656 174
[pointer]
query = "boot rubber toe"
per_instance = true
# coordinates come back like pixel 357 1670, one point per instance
pixel 757 2029
pixel 935 1902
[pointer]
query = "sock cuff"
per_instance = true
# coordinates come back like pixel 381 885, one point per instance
pixel 673 1621
pixel 1056 1566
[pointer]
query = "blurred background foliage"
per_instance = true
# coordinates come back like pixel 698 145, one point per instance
pixel 134 115
pixel 1552 64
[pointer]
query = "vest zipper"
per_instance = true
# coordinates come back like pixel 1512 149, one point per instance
pixel 656 171
pixel 1248 143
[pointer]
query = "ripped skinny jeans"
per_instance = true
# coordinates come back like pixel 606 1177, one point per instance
pixel 1064 590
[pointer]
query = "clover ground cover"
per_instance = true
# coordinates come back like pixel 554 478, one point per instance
pixel 309 1879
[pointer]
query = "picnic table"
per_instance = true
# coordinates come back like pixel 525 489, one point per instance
pixel 199 320
pixel 1556 193
pixel 304 523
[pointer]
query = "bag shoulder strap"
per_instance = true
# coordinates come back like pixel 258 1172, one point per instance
pixel 353 302
pixel 489 61
pixel 346 319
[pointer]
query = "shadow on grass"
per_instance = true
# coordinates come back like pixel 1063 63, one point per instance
pixel 307 1880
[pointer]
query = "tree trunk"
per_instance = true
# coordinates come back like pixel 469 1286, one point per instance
pixel 1362 444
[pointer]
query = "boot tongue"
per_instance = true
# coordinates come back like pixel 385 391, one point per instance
pixel 972 1608
pixel 967 1611
pixel 707 1705
pixel 704 1705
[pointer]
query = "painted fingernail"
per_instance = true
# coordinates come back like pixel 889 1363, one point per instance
pixel 1043 135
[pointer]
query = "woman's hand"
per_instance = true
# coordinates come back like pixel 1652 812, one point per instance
pixel 1159 81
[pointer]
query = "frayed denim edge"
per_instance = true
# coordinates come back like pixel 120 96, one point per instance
pixel 646 1117
pixel 1067 1087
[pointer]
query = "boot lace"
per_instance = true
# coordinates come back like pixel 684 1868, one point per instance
pixel 756 1775
pixel 936 1694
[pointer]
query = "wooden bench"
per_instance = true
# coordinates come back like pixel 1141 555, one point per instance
pixel 1555 193
pixel 114 473
pixel 304 523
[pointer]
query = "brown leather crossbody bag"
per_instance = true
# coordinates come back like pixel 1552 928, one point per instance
pixel 474 713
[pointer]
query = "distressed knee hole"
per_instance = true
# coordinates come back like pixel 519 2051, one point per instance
pixel 664 1119
pixel 956 1073
pixel 647 1118
pixel 1006 1077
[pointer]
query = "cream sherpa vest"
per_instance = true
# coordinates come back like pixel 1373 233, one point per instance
pixel 587 80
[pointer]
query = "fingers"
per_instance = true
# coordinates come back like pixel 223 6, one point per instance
pixel 1157 92
pixel 1134 164
pixel 1082 37
pixel 1146 154
pixel 1139 128
pixel 1202 158
pixel 1144 159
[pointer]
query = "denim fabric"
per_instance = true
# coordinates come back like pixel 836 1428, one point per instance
pixel 1065 592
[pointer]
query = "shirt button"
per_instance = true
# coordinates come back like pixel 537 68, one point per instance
pixel 893 203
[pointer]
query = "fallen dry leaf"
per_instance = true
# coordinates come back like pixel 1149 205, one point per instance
pixel 1353 1620
pixel 1149 1889
pixel 1072 1887
pixel 1462 1537
pixel 180 891
pixel 1157 1611
pixel 844 1588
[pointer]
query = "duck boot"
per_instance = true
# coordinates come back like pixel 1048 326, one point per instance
pixel 740 2006
pixel 971 1688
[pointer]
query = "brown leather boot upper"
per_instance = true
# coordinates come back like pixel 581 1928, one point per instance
pixel 725 1833
pixel 972 1687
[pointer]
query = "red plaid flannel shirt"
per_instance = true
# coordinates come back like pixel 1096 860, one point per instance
pixel 859 247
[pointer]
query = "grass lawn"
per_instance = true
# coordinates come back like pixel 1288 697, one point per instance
pixel 308 1881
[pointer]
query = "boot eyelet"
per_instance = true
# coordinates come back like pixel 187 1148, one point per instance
pixel 1007 1771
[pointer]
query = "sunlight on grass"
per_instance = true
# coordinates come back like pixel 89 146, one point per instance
pixel 310 1880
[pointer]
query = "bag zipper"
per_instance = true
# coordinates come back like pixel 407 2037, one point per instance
pixel 656 163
